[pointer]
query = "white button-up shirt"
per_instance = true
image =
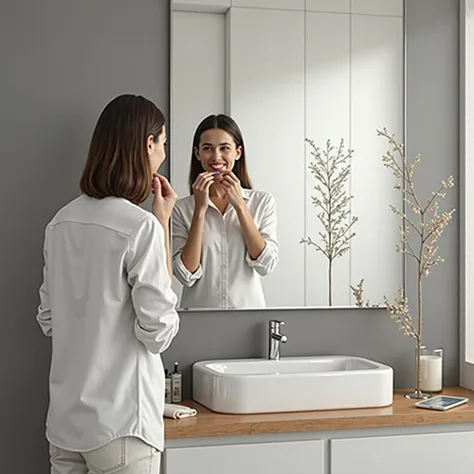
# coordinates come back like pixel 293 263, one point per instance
pixel 227 276
pixel 107 302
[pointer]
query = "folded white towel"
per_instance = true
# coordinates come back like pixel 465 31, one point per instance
pixel 178 411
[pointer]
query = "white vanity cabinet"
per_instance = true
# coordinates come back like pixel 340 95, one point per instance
pixel 435 453
pixel 295 457
pixel 436 449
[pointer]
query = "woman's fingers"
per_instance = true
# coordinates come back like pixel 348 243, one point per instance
pixel 203 182
pixel 231 176
pixel 203 176
pixel 227 181
pixel 156 185
pixel 208 184
pixel 234 178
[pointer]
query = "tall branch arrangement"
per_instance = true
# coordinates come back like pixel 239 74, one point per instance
pixel 419 234
pixel 331 169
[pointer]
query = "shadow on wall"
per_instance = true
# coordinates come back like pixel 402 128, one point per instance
pixel 34 193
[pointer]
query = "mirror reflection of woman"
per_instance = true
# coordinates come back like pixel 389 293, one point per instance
pixel 224 233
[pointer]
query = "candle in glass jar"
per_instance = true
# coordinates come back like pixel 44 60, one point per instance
pixel 431 373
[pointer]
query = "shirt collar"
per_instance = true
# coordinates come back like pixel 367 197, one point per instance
pixel 246 194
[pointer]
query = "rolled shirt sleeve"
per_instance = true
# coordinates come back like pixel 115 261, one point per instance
pixel 266 262
pixel 44 309
pixel 154 301
pixel 179 239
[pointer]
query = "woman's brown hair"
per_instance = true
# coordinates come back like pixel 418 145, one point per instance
pixel 118 163
pixel 228 124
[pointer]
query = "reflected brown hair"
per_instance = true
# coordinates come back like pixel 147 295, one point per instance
pixel 118 163
pixel 228 124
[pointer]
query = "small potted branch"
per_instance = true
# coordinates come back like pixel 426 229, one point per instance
pixel 358 294
pixel 331 168
pixel 419 234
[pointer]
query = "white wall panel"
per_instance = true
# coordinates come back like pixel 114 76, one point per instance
pixel 266 98
pixel 327 117
pixel 270 4
pixel 334 6
pixel 197 85
pixel 378 7
pixel 376 102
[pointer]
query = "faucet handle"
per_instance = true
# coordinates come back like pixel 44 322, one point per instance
pixel 274 324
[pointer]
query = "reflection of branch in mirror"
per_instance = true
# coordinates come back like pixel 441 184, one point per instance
pixel 358 293
pixel 419 234
pixel 331 168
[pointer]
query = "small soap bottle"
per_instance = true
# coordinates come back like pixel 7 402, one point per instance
pixel 176 392
pixel 167 387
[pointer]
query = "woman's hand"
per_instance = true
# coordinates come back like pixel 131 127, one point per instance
pixel 164 199
pixel 201 190
pixel 234 191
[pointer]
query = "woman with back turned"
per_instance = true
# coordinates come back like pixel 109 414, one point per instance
pixel 106 300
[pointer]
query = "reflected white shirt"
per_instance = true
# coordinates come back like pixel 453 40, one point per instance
pixel 107 302
pixel 227 276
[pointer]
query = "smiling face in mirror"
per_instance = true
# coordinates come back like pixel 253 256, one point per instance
pixel 217 151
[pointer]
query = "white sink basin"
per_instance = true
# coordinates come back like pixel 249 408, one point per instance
pixel 292 384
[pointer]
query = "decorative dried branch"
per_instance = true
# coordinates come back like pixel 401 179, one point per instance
pixel 427 224
pixel 400 312
pixel 332 171
pixel 358 293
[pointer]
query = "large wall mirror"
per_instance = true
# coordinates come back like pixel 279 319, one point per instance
pixel 290 72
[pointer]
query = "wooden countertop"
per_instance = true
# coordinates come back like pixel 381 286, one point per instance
pixel 401 413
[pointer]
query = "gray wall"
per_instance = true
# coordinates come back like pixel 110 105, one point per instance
pixel 60 63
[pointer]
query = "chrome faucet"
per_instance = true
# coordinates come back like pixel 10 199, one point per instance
pixel 274 339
